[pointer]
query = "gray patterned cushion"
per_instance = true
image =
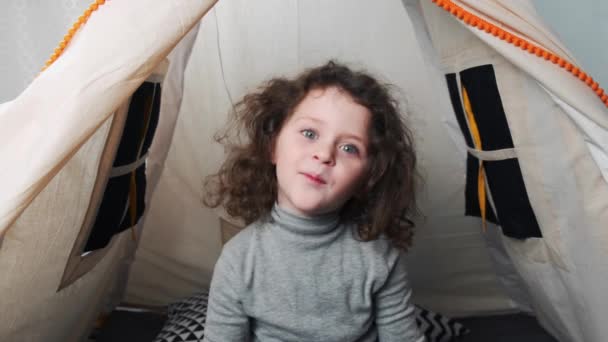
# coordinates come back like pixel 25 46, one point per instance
pixel 186 320
pixel 438 328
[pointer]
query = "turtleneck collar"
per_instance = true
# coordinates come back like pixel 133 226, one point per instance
pixel 301 225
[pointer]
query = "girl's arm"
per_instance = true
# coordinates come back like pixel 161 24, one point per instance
pixel 395 314
pixel 226 319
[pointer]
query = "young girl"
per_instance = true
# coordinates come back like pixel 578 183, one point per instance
pixel 325 182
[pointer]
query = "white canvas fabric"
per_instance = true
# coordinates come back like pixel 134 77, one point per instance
pixel 43 127
pixel 509 280
pixel 162 222
pixel 52 138
pixel 34 254
pixel 521 16
pixel 171 99
pixel 564 271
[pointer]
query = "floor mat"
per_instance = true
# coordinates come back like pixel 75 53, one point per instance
pixel 505 328
pixel 125 326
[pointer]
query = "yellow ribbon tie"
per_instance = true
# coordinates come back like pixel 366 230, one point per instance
pixel 481 179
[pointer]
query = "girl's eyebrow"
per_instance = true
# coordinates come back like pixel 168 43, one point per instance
pixel 310 118
pixel 354 137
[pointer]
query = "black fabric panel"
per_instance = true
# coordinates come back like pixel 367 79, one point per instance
pixel 471 194
pixel 458 111
pixel 114 210
pixel 113 216
pixel 110 212
pixel 511 199
pixel 153 120
pixel 480 83
pixel 141 101
pixel 513 210
pixel 140 181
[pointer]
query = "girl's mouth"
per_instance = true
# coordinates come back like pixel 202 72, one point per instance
pixel 314 179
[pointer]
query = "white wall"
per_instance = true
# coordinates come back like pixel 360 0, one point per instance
pixel 29 32
pixel 583 28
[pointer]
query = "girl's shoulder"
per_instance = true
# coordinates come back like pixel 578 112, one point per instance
pixel 238 255
pixel 380 250
pixel 382 246
pixel 244 244
pixel 241 240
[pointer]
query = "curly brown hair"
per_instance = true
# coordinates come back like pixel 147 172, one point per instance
pixel 246 183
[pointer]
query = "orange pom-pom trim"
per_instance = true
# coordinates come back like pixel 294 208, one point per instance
pixel 75 27
pixel 484 25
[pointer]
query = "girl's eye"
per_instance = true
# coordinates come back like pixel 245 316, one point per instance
pixel 350 149
pixel 308 133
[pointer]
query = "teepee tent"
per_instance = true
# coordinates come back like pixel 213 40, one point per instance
pixel 104 152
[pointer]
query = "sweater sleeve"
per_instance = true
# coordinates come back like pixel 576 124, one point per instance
pixel 395 314
pixel 226 319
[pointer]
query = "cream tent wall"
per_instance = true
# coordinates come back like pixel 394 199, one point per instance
pixel 558 125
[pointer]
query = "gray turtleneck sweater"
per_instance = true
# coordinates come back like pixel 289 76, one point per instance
pixel 290 278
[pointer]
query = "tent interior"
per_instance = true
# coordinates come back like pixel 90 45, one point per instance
pixel 104 153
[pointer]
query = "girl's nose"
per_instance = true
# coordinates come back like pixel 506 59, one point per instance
pixel 325 155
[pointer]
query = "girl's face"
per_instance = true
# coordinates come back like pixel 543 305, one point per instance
pixel 321 153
